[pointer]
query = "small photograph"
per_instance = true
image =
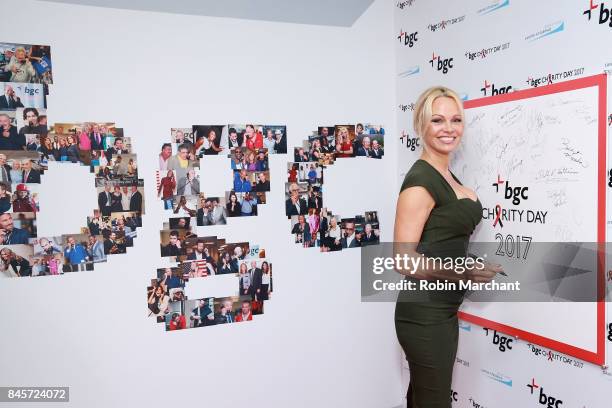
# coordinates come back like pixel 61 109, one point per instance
pixel 248 203
pixel 181 135
pixel 300 155
pixel 315 196
pixel 212 211
pixel 116 243
pixel 125 225
pixel 183 161
pixel 25 197
pixel 172 242
pixel 120 167
pixel 185 206
pixel 292 172
pixel 47 246
pixel 260 181
pixel 345 138
pixel 371 216
pixel 31 121
pixel 326 131
pixel 76 256
pixel 208 139
pixel 25 63
pixel 201 312
pixel 166 152
pixel 47 265
pixel 14 260
pixel 255 252
pixel 178 223
pixel 275 139
pixel 296 199
pixel 166 187
pixel 330 233
pixel 232 207
pixel 370 146
pixel 370 129
pixel 305 228
pixel 349 238
pixel 197 269
pixel 17 228
pixel 310 172
pixel 234 140
pixel 256 160
pixel 189 184
pixel 171 279
pixel 204 248
pixel 238 158
pixel 21 95
pixel 6 197
pixel 158 302
pixel 225 309
pixel 251 135
pixel 236 253
pixel 367 233
pixel 245 313
pixel 175 320
pixel 116 198
pixel 20 167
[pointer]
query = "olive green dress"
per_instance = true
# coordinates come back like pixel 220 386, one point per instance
pixel 426 322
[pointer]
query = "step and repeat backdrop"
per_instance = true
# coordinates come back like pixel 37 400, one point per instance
pixel 535 151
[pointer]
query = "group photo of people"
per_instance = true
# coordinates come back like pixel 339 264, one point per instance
pixel 199 257
pixel 27 144
pixel 312 224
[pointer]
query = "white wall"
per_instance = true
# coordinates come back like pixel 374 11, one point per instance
pixel 148 72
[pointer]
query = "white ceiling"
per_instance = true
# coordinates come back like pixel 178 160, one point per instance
pixel 319 12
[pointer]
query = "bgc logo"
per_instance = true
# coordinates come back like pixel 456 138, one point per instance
pixel 494 91
pixel 604 13
pixel 515 193
pixel 29 91
pixel 411 142
pixel 499 340
pixel 610 178
pixel 408 38
pixel 547 400
pixel 609 331
pixel 453 396
pixel 405 3
pixel 441 64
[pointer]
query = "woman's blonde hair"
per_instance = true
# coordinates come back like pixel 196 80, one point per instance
pixel 423 108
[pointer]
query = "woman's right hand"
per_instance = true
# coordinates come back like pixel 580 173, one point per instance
pixel 485 274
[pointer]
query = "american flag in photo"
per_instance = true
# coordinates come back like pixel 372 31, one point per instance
pixel 201 267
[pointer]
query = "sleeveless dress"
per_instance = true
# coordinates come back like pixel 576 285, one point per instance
pixel 426 322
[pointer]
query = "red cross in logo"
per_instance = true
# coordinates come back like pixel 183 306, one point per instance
pixel 591 8
pixel 533 385
pixel 499 180
pixel 433 58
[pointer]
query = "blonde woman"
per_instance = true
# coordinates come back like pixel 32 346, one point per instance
pixel 435 216
pixel 344 146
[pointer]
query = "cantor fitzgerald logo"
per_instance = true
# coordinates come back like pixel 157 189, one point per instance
pixel 493 7
pixel 549 29
pixel 409 71
pixel 499 377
